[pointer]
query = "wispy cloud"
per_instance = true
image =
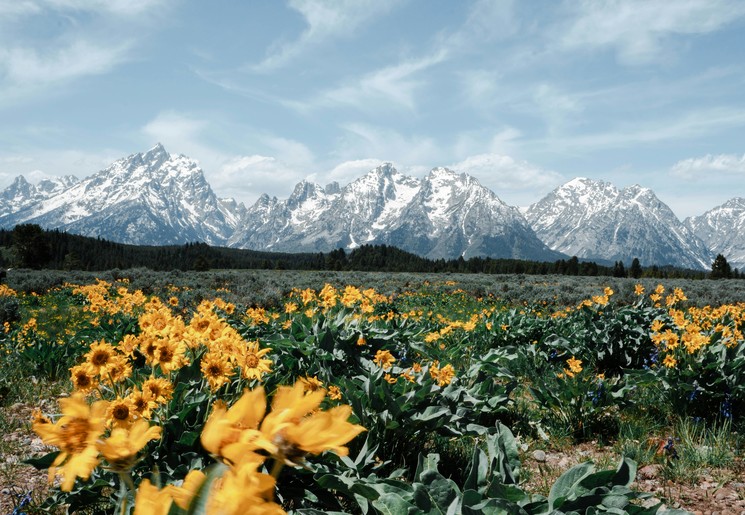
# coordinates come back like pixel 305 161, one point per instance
pixel 693 124
pixel 117 7
pixel 639 30
pixel 369 140
pixel 26 66
pixel 394 86
pixel 82 38
pixel 502 172
pixel 349 170
pixel 325 20
pixel 173 128
pixel 703 167
pixel 245 178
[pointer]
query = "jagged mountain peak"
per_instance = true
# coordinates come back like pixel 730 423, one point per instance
pixel 595 220
pixel 722 228
pixel 146 198
pixel 155 197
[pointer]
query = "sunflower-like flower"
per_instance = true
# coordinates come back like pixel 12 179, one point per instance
pixel 240 423
pixel 334 393
pixel 75 434
pixel 384 359
pixel 120 369
pixel 575 367
pixel 159 388
pixel 252 363
pixel 101 357
pixel 298 428
pixel 121 412
pixel 143 403
pixel 121 447
pixel 244 489
pixel 84 377
pixel 170 355
pixel 445 375
pixel 311 384
pixel 294 428
pixel 216 369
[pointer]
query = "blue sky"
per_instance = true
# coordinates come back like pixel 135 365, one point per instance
pixel 524 95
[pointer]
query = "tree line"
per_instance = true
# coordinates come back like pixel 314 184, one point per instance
pixel 30 246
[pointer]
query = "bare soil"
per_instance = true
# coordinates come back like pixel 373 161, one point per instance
pixel 713 492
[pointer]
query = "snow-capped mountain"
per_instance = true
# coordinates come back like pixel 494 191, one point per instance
pixel 155 198
pixel 444 215
pixel 22 193
pixel 597 221
pixel 722 229
pixel 146 198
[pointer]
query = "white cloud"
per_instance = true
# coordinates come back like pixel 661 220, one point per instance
pixel 349 170
pixel 26 67
pixel 368 140
pixel 290 151
pixel 245 178
pixel 394 85
pixel 325 20
pixel 701 167
pixel 115 7
pixel 693 124
pixel 38 164
pixel 16 8
pixel 173 128
pixel 502 172
pixel 639 29
pixel 48 43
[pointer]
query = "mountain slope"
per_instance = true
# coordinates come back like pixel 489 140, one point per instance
pixel 722 229
pixel 444 215
pixel 146 198
pixel 595 220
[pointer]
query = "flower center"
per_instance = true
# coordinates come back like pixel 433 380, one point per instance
pixel 120 412
pixel 99 359
pixel 74 435
pixel 252 361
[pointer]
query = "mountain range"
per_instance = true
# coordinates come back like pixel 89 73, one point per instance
pixel 155 198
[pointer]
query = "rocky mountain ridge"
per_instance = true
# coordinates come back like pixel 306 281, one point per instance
pixel 155 198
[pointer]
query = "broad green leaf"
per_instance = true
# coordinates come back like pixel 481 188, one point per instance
pixel 566 482
pixel 394 504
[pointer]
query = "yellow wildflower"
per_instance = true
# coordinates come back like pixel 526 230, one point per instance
pixel 75 434
pixel 384 359
pixel 121 447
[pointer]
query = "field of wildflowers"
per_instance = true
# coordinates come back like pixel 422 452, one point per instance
pixel 348 400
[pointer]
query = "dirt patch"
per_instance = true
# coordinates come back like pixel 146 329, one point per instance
pixel 713 492
pixel 20 484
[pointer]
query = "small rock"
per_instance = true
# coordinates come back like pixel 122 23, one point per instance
pixel 649 471
pixel 725 493
pixel 539 456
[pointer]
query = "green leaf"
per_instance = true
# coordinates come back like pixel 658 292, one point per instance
pixel 566 483
pixel 188 438
pixel 435 493
pixel 625 473
pixel 476 478
pixel 393 504
pixel 615 501
pixel 44 462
